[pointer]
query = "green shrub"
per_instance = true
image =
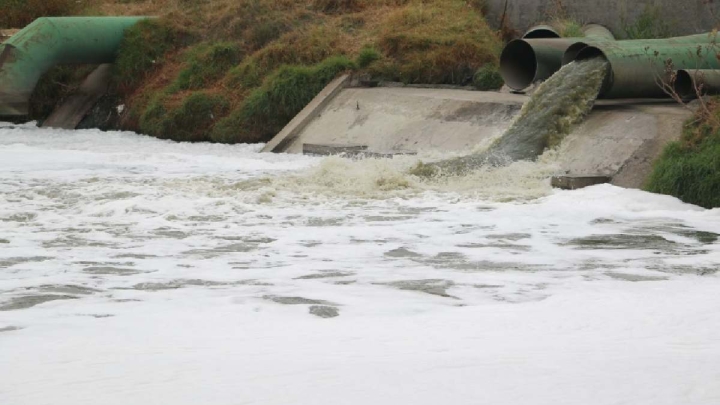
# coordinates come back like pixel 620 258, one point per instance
pixel 572 29
pixel 144 47
pixel 19 13
pixel 282 95
pixel 246 75
pixel 367 56
pixel 690 172
pixel 190 121
pixel 488 78
pixel 264 32
pixel 648 25
pixel 206 64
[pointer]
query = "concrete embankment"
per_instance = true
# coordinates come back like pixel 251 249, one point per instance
pixel 619 140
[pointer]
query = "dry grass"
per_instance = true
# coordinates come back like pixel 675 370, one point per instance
pixel 19 13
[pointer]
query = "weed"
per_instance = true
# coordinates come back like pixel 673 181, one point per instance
pixel 488 78
pixel 189 121
pixel 144 47
pixel 247 75
pixel 263 33
pixel 690 171
pixel 568 28
pixel 367 56
pixel 648 25
pixel 205 64
pixel 283 94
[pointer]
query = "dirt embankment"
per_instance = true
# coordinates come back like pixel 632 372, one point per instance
pixel 238 71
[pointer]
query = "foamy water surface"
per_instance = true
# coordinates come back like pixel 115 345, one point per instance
pixel 134 270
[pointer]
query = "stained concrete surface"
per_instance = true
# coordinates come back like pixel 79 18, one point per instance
pixel 620 139
pixel 389 120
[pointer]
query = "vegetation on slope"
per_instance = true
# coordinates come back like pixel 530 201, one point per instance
pixel 239 70
pixel 689 169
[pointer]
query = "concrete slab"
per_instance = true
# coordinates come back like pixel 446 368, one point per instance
pixel 390 120
pixel 622 140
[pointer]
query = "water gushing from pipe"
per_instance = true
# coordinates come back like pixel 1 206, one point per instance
pixel 555 108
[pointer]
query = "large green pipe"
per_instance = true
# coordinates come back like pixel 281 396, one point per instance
pixel 52 41
pixel 532 59
pixel 638 68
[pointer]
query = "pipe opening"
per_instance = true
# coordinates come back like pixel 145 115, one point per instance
pixel 541 32
pixel 572 52
pixel 591 52
pixel 684 84
pixel 518 65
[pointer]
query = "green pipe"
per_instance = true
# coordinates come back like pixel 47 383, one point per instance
pixel 636 69
pixel 689 83
pixel 51 41
pixel 594 34
pixel 526 61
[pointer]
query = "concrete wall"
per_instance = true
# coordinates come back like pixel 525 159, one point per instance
pixel 683 17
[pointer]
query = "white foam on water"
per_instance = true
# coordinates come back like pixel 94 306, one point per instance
pixel 135 270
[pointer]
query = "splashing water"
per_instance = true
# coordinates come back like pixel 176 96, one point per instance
pixel 557 106
pixel 508 171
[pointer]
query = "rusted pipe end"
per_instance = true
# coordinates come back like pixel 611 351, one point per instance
pixel 591 52
pixel 541 31
pixel 518 64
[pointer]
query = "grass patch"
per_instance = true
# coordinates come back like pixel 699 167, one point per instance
pixel 367 56
pixel 690 168
pixel 488 78
pixel 144 48
pixel 436 42
pixel 283 94
pixel 186 118
pixel 568 28
pixel 648 25
pixel 19 13
pixel 205 64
